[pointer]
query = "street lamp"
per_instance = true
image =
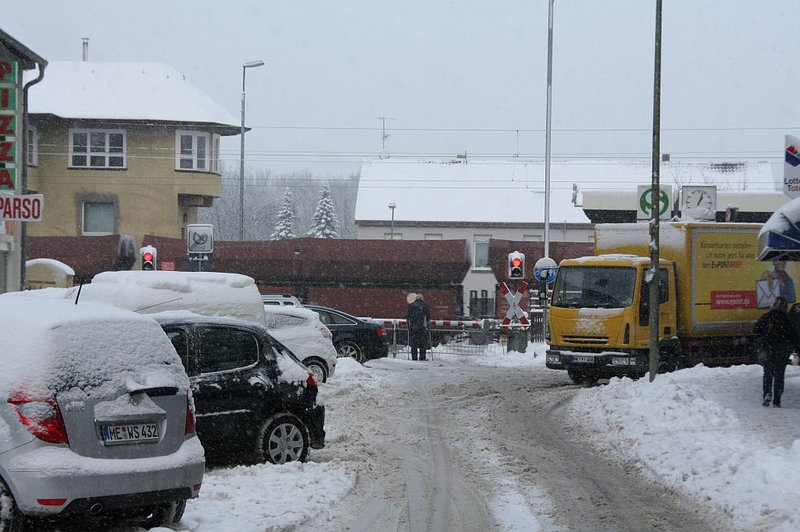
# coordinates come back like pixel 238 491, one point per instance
pixel 391 230
pixel 245 66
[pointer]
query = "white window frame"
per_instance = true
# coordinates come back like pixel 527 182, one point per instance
pixel 83 218
pixel 33 146
pixel 210 156
pixel 480 239
pixel 434 236
pixel 393 236
pixel 93 155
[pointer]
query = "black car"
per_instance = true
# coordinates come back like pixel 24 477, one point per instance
pixel 354 337
pixel 253 398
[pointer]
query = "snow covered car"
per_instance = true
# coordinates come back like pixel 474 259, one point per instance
pixel 301 331
pixel 255 400
pixel 96 419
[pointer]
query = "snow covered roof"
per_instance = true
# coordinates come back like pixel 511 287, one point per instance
pixel 491 191
pixel 125 91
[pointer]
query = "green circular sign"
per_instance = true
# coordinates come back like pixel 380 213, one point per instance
pixel 646 204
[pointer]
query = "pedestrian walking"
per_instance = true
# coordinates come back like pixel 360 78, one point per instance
pixel 417 316
pixel 777 340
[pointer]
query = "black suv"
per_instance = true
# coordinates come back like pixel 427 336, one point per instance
pixel 358 338
pixel 253 398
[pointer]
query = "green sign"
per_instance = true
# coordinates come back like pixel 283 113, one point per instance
pixel 645 203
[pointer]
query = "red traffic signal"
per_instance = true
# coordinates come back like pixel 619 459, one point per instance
pixel 149 258
pixel 516 265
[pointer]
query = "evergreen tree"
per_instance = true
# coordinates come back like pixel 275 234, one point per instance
pixel 325 224
pixel 283 226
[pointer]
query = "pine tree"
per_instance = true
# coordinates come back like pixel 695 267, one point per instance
pixel 325 224
pixel 283 226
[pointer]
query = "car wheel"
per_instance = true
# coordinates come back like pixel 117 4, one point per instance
pixel 11 520
pixel 165 514
pixel 318 369
pixel 350 349
pixel 282 438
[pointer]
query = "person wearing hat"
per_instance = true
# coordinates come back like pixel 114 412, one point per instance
pixel 777 339
pixel 417 316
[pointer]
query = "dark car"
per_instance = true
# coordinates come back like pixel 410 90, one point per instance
pixel 358 338
pixel 253 398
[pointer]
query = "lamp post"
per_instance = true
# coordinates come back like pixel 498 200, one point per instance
pixel 245 66
pixel 392 206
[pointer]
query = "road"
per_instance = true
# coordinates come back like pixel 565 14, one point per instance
pixel 439 446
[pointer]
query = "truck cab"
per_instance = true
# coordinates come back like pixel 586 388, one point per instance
pixel 598 322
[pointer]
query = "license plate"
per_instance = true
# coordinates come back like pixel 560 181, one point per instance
pixel 134 433
pixel 584 359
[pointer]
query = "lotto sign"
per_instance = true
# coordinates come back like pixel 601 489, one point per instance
pixel 26 208
pixel 791 167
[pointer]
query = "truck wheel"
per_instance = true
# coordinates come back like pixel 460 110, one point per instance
pixel 577 378
pixel 587 379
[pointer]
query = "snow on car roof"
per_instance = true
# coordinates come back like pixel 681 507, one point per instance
pixel 205 293
pixel 89 350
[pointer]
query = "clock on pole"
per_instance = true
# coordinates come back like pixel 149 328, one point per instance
pixel 699 202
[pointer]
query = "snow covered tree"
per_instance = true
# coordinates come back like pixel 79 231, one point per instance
pixel 283 226
pixel 324 224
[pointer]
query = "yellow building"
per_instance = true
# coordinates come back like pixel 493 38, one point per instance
pixel 122 148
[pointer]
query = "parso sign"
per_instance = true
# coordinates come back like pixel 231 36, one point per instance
pixel 24 208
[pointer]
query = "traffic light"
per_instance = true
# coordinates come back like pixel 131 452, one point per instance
pixel 516 265
pixel 149 258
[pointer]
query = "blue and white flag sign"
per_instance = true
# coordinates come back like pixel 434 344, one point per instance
pixel 791 167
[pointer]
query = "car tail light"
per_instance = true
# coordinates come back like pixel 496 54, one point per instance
pixel 188 427
pixel 326 333
pixel 381 332
pixel 41 416
pixel 311 382
pixel 51 502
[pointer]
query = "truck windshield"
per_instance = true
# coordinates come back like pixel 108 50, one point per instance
pixel 594 287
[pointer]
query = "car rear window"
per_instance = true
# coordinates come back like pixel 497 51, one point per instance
pixel 278 320
pixel 91 351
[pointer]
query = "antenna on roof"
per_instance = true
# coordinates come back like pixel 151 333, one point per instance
pixel 85 53
pixel 384 134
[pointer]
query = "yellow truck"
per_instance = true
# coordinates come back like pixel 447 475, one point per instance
pixel 712 290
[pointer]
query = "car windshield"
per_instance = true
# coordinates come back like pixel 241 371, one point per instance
pixel 594 287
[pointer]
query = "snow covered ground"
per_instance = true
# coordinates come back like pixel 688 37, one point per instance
pixel 701 431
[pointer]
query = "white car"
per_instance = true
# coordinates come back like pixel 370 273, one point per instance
pixel 301 331
pixel 96 417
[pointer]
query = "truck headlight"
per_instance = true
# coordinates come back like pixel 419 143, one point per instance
pixel 623 361
pixel 553 359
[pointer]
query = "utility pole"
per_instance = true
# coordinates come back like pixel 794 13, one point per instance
pixel 655 209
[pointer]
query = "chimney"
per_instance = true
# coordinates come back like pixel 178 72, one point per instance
pixel 85 55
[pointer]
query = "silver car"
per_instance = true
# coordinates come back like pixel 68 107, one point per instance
pixel 96 418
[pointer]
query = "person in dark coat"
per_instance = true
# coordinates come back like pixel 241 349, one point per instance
pixel 778 339
pixel 417 316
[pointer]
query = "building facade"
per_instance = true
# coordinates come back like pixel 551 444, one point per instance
pixel 123 148
pixel 15 58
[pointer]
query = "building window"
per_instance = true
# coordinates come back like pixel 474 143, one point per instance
pixel 98 218
pixel 196 151
pixel 97 148
pixel 433 236
pixel 33 146
pixel 393 236
pixel 481 256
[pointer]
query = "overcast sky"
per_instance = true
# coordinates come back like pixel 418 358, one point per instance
pixel 456 76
